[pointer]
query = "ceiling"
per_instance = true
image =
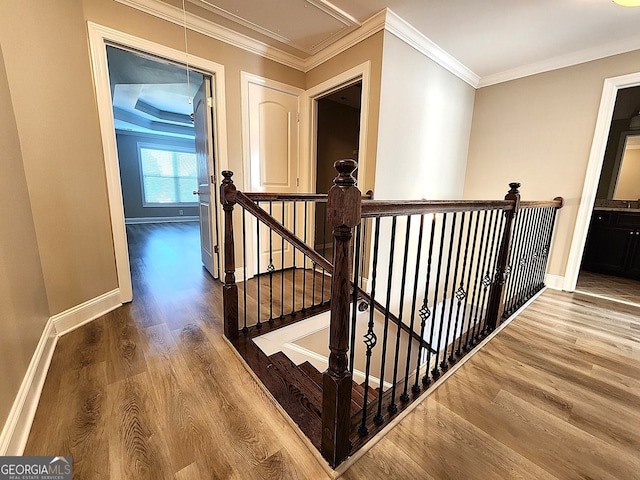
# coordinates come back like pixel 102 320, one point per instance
pixel 492 38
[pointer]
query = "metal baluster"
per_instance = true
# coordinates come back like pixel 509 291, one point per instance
pixel 282 267
pixel 405 392
pixel 473 253
pixel 259 324
pixel 378 419
pixel 453 287
pixel 304 258
pixel 270 268
pixel 324 248
pixel 425 313
pixel 476 286
pixel 513 267
pixel 460 294
pixel 293 289
pixel 354 306
pixel 370 338
pixel 435 372
pixel 490 275
pixel 363 247
pixel 392 407
pixel 524 259
pixel 244 268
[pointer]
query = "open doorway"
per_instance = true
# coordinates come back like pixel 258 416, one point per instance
pixel 337 137
pixel 164 137
pixel 610 264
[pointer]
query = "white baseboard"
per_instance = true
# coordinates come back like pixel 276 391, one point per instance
pixel 85 312
pixel 16 429
pixel 554 282
pixel 184 218
pixel 15 432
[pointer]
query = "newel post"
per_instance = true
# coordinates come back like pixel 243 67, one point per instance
pixel 230 289
pixel 495 309
pixel 344 214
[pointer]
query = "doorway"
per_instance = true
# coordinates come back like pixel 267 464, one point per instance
pixel 99 38
pixel 164 139
pixel 337 137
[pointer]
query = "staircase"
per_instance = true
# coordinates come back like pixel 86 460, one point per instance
pixel 304 383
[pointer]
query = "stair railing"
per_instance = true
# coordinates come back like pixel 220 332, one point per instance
pixel 473 264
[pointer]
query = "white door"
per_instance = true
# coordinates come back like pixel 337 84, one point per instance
pixel 203 122
pixel 273 143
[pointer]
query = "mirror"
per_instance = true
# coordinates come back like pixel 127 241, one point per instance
pixel 627 184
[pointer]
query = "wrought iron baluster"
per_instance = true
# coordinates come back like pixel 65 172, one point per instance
pixel 473 252
pixel 482 252
pixel 282 266
pixel 525 259
pixel 324 248
pixel 259 324
pixel 270 267
pixel 392 407
pixel 354 301
pixel 244 269
pixel 378 419
pixel 405 392
pixel 293 272
pixel 425 313
pixel 370 338
pixel 513 265
pixel 304 257
pixel 489 275
pixel 444 363
pixel 435 372
pixel 460 293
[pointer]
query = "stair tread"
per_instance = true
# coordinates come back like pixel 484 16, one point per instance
pixel 312 372
pixel 297 382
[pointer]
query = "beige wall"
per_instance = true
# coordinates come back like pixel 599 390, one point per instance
pixel 49 75
pixel 425 119
pixel 629 180
pixel 538 131
pixel 23 301
pixel 367 50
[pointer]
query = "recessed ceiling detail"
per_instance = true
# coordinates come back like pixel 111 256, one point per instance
pixel 313 24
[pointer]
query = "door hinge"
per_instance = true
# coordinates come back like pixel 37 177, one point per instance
pixel 213 179
pixel 210 102
pixel 297 182
pixel 216 249
pixel 298 117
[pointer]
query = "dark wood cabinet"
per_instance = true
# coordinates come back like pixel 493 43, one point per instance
pixel 613 244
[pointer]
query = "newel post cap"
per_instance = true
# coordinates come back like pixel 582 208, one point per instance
pixel 344 197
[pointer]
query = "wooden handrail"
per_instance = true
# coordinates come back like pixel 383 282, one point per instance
pixel 386 208
pixel 246 201
pixel 292 197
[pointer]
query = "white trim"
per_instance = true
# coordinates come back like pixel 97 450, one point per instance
pixel 592 177
pixel 370 27
pixel 98 37
pixel 411 36
pixel 563 61
pixel 18 425
pixel 197 24
pixel 358 73
pixel 139 220
pixel 554 282
pixel 15 432
pixel 79 315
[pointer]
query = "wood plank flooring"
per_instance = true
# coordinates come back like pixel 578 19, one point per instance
pixel 152 391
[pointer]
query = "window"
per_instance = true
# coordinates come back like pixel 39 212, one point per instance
pixel 169 177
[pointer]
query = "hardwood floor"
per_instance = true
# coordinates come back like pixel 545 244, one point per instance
pixel 152 390
pixel 608 286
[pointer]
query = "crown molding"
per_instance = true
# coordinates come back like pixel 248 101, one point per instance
pixel 213 30
pixel 563 61
pixel 410 35
pixel 368 28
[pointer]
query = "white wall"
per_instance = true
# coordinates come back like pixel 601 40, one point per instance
pixel 424 127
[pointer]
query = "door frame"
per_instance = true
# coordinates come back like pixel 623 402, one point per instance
pixel 99 37
pixel 246 79
pixel 359 73
pixel 592 177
